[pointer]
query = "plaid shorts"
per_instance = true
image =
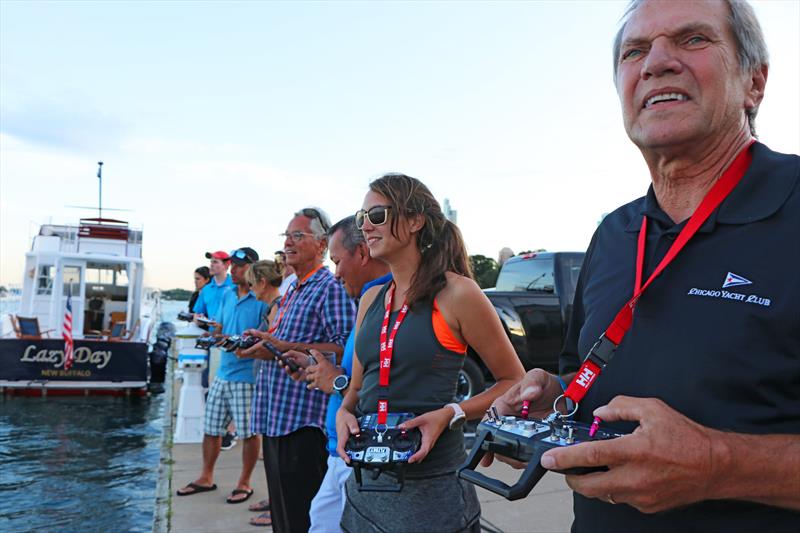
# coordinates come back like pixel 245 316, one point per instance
pixel 228 400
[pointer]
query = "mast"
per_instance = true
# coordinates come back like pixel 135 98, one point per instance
pixel 100 199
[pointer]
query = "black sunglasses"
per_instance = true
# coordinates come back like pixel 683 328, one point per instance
pixel 310 212
pixel 377 216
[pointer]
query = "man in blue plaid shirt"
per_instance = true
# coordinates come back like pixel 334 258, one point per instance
pixel 314 313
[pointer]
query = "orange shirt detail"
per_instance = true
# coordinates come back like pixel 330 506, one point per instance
pixel 443 333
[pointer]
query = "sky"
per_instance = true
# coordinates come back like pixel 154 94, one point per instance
pixel 216 121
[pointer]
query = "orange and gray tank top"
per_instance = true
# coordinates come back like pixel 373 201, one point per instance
pixel 423 376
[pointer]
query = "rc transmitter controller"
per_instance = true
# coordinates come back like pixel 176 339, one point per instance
pixel 234 342
pixel 239 342
pixel 526 441
pixel 381 448
pixel 204 343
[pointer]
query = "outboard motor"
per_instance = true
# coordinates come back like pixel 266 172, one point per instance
pixel 165 329
pixel 160 352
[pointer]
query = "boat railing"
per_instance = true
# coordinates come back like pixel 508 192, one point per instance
pixel 96 229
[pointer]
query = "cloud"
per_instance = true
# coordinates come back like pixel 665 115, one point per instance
pixel 67 122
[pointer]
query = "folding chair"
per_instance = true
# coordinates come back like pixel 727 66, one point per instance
pixel 28 327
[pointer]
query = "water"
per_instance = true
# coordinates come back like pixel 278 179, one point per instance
pixel 8 305
pixel 80 463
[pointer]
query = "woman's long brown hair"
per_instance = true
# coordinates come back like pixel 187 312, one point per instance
pixel 439 240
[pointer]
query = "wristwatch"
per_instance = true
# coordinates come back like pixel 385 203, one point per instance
pixel 340 383
pixel 459 418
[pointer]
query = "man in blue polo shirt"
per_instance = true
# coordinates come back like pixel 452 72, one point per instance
pixel 210 296
pixel 231 392
pixel 207 304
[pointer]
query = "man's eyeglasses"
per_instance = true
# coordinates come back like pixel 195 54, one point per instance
pixel 377 216
pixel 296 236
pixel 312 213
pixel 238 254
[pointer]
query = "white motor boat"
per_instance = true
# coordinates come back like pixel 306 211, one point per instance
pixel 96 266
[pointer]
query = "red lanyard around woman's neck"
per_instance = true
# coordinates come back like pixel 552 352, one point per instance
pixel 603 350
pixel 386 352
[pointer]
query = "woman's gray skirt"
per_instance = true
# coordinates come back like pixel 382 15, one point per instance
pixel 441 504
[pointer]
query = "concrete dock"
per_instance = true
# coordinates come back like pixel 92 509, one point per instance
pixel 548 509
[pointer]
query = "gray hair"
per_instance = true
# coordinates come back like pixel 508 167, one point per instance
pixel 319 221
pixel 751 48
pixel 351 235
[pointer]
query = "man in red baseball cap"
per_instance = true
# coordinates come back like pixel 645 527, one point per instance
pixel 208 301
pixel 219 254
pixel 208 304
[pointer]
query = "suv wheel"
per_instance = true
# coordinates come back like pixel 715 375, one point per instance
pixel 470 381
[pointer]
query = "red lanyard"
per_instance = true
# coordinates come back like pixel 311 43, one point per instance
pixel 603 350
pixel 282 308
pixel 387 349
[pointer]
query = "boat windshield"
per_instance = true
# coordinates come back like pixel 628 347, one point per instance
pixel 106 280
pixel 106 295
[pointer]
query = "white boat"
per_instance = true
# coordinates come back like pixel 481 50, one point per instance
pixel 97 265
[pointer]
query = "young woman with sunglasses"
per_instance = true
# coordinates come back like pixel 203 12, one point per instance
pixel 446 311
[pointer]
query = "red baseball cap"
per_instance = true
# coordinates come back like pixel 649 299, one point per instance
pixel 219 254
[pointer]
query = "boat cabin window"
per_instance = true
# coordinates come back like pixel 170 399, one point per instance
pixel 121 279
pixel 107 280
pixel 106 295
pixel 44 281
pixel 72 281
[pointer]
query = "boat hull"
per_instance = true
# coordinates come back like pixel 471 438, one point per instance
pixel 37 364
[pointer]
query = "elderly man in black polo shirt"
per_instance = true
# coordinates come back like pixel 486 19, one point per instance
pixel 694 288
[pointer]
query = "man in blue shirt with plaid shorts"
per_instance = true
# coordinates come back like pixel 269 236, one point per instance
pixel 230 395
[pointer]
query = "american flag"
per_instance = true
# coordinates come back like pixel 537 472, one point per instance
pixel 69 355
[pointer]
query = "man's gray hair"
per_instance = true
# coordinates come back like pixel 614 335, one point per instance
pixel 747 33
pixel 351 235
pixel 320 222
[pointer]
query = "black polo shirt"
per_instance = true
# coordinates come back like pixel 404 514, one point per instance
pixel 716 336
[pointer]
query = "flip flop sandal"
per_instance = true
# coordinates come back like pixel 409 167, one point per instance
pixel 261 520
pixel 259 507
pixel 195 489
pixel 236 492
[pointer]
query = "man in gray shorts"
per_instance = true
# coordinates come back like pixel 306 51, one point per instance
pixel 231 392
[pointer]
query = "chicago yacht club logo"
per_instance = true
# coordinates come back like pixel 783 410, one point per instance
pixel 732 280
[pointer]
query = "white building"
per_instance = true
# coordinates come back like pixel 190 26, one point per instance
pixel 449 214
